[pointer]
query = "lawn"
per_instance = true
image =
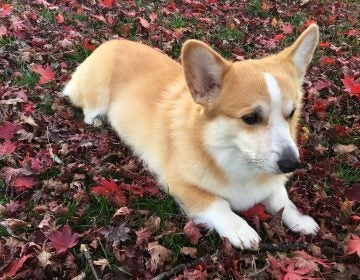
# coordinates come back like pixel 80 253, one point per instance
pixel 75 203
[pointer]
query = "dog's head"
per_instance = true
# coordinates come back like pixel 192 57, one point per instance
pixel 251 107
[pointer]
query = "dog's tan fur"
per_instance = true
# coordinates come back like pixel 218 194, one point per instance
pixel 162 109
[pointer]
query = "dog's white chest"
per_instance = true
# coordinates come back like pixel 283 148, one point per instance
pixel 244 195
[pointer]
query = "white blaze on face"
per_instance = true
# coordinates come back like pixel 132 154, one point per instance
pixel 278 126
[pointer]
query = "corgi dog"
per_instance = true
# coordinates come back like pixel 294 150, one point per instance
pixel 219 135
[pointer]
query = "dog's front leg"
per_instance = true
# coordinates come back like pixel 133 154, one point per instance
pixel 215 212
pixel 291 216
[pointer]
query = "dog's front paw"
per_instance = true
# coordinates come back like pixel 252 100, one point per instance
pixel 238 232
pixel 305 224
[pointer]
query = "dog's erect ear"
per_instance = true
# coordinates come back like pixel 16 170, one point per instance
pixel 204 70
pixel 301 52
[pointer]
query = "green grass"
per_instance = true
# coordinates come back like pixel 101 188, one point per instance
pixel 176 21
pixel 254 8
pixel 165 209
pixel 48 15
pixel 28 80
pixel 78 55
pixel 347 173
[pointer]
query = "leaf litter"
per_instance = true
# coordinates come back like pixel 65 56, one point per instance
pixel 54 185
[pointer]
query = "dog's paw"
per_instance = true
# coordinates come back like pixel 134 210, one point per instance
pixel 305 224
pixel 239 233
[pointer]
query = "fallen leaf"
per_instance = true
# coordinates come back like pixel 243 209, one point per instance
pixel 258 210
pixel 192 232
pixel 189 251
pixel 287 28
pixel 7 130
pixel 102 263
pixel 116 235
pixel 44 258
pixel 159 256
pixel 46 74
pixel 144 23
pixel 344 149
pixel 353 193
pixel 353 245
pixel 87 45
pixel 108 3
pixel 7 148
pixel 16 265
pixel 351 86
pixel 59 18
pixel 24 182
pixel 63 240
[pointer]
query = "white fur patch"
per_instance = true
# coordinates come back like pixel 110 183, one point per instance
pixel 280 130
pixel 274 91
pixel 228 224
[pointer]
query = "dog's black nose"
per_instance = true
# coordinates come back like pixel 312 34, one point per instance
pixel 289 161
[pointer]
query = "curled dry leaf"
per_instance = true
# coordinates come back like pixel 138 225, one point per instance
pixel 43 258
pixel 159 256
pixel 343 149
pixel 192 232
pixel 102 263
pixel 189 251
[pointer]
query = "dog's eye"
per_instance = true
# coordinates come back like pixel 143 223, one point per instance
pixel 252 118
pixel 291 114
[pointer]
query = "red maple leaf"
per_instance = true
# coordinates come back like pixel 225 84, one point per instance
pixel 63 240
pixel 279 37
pixel 5 10
pixel 3 31
pixel 309 22
pixel 353 246
pixel 59 18
pixel 144 23
pixel 192 232
pixel 7 148
pixel 294 268
pixel 257 210
pixel 287 28
pixel 321 84
pixel 324 44
pixel 153 17
pixel 108 3
pixel 24 182
pixel 111 190
pixel 46 74
pixel 15 265
pixel 351 86
pixel 7 130
pixel 320 105
pixel 88 45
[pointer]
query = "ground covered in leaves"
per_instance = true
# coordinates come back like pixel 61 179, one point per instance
pixel 76 204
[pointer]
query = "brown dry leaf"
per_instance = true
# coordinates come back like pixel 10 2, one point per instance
pixel 116 235
pixel 159 256
pixel 44 258
pixel 123 211
pixel 345 212
pixel 189 251
pixel 45 221
pixel 81 276
pixel 102 263
pixel 29 120
pixel 13 223
pixel 153 223
pixel 24 135
pixel 344 149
